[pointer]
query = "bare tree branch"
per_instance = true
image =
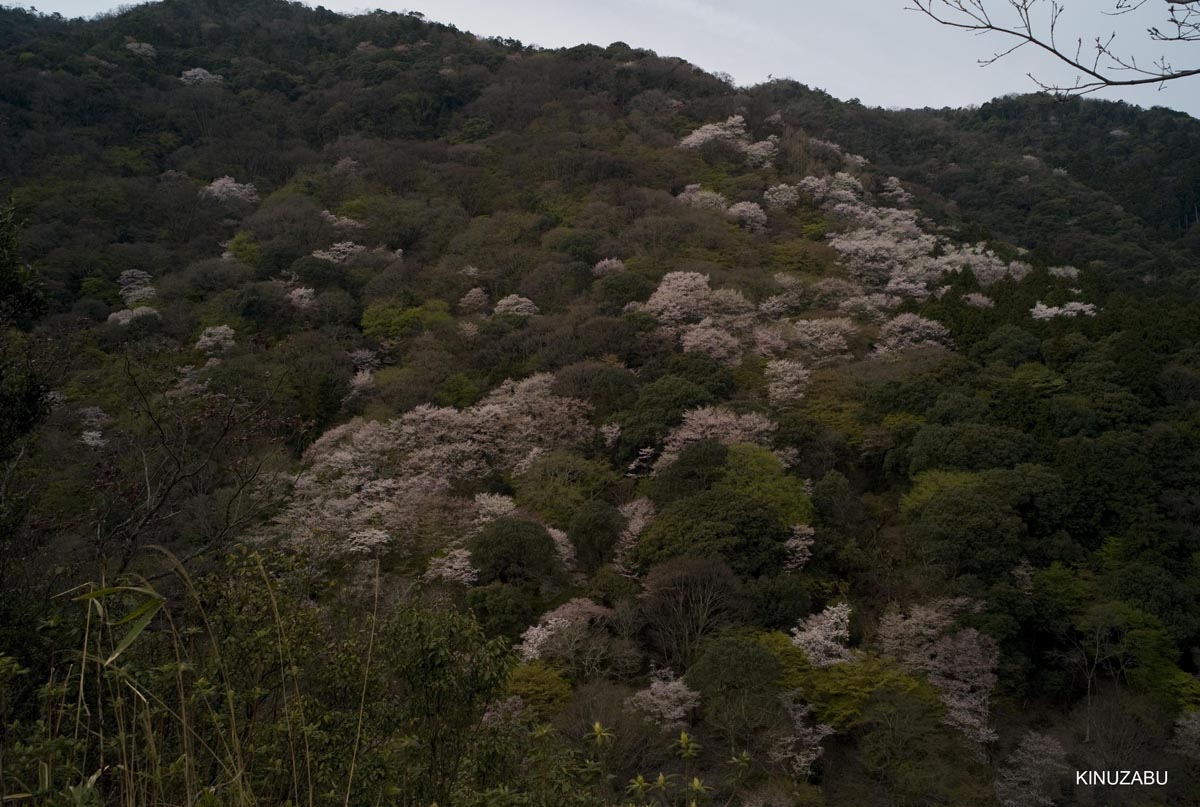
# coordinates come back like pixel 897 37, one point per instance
pixel 181 457
pixel 1100 64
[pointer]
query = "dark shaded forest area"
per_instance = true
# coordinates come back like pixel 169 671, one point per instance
pixel 390 415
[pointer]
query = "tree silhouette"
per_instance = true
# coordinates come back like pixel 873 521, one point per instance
pixel 1100 64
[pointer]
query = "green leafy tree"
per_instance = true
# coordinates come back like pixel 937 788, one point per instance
pixel 512 551
pixel 442 674
pixel 757 474
pixel 389 319
pixel 699 466
pixel 559 483
pixel 502 610
pixel 594 530
pixel 728 525
pixel 660 405
pixel 21 296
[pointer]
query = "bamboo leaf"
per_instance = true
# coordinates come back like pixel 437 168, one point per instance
pixel 147 613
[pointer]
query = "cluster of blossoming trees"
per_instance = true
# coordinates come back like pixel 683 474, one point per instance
pixel 483 499
pixel 732 134
pixel 888 253
pixel 408 488
pixel 395 478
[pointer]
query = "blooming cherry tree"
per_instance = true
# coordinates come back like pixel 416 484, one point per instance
pixel 712 341
pixel 714 423
pixel 364 358
pixel 961 665
pixel 453 567
pixel 799 547
pixel 396 475
pixel 611 432
pixel 215 339
pixel 695 196
pixel 515 306
pixel 823 340
pixel 782 197
pixel 128 315
pixel 681 297
pixel 227 189
pixel 786 381
pixel 491 506
pixel 142 49
pixel 667 702
pixel 1032 773
pixel 761 153
pixel 769 341
pixel 909 331
pixel 302 298
pixel 199 77
pixel 798 748
pixel 1186 739
pixel 473 301
pixel 339 253
pixel 823 637
pixel 136 287
pixel 731 131
pixel 558 631
pixel 638 514
pixel 608 266
pixel 895 193
pixel 1071 309
pixel 341 222
pixel 361 381
pixel 749 216
pixel 93 438
pixel 367 541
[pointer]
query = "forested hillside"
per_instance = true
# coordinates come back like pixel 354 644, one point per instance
pixel 394 416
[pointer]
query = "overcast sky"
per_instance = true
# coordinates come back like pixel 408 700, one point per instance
pixel 873 50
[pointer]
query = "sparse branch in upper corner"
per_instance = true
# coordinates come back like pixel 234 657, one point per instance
pixel 1032 22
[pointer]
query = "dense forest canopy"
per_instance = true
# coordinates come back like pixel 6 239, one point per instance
pixel 391 415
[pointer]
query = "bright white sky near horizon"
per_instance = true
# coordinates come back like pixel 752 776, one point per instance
pixel 873 50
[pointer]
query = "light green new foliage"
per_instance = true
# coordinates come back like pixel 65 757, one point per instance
pixel 928 484
pixel 246 249
pixel 757 474
pixel 839 693
pixel 559 483
pixel 388 319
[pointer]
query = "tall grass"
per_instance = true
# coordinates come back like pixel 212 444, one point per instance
pixel 147 712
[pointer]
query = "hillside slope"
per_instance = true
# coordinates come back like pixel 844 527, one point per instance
pixel 434 419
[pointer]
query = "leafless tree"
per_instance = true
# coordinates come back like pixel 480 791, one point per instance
pixel 1099 62
pixel 683 601
pixel 189 463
